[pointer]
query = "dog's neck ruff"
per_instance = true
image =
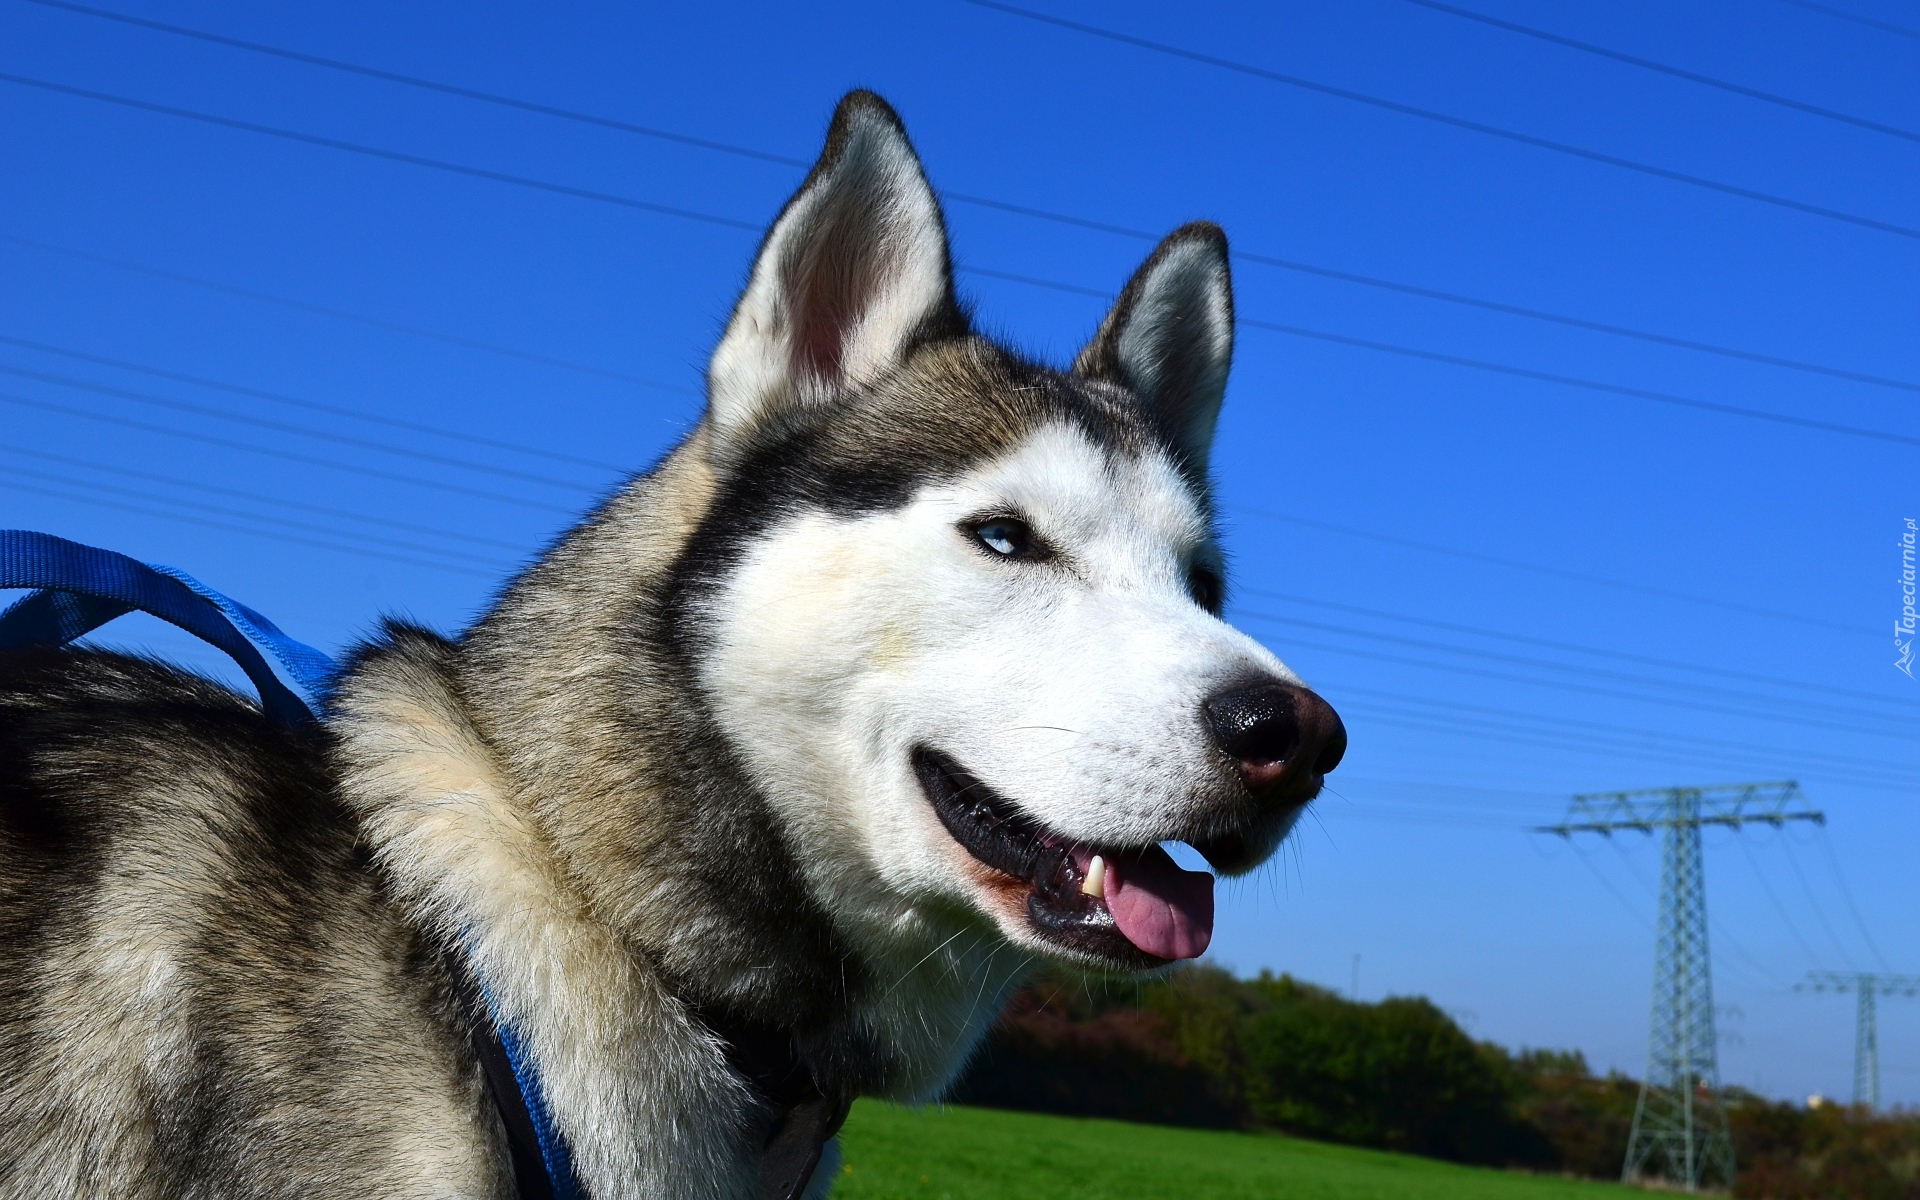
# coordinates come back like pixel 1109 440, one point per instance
pixel 654 1097
pixel 613 1038
pixel 804 1119
pixel 542 1164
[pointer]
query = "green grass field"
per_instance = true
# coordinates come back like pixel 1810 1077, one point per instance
pixel 985 1154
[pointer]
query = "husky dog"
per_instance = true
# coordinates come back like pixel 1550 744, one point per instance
pixel 884 685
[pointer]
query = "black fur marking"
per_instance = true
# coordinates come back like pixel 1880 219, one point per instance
pixel 280 1024
pixel 291 989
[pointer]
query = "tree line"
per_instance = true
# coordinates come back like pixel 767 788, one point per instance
pixel 1203 1048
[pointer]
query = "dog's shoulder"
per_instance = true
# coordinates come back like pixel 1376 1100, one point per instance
pixel 100 750
pixel 181 886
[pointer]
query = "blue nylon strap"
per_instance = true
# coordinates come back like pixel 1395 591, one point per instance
pixel 80 588
pixel 553 1148
pixel 310 669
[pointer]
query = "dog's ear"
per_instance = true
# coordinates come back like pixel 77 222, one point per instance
pixel 1169 337
pixel 852 274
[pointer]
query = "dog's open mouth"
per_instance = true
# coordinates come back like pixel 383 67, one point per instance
pixel 1128 906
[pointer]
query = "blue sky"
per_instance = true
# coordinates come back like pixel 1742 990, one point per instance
pixel 1513 588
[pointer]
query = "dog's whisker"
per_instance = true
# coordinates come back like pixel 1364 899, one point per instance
pixel 694 770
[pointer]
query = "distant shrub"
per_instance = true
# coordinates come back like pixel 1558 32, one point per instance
pixel 1122 1063
pixel 1787 1152
pixel 1201 1047
pixel 1399 1075
pixel 1204 1048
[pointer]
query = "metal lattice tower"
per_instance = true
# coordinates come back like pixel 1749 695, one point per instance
pixel 1866 1036
pixel 1679 1124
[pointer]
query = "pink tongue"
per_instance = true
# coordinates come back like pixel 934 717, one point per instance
pixel 1161 907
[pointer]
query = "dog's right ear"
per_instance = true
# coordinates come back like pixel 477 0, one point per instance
pixel 852 274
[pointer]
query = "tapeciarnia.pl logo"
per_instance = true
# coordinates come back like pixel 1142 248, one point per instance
pixel 1903 627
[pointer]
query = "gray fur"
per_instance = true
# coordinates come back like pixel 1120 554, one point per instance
pixel 222 943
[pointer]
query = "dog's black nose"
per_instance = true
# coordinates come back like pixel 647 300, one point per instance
pixel 1275 732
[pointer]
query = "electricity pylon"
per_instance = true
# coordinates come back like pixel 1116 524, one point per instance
pixel 1866 1033
pixel 1679 1118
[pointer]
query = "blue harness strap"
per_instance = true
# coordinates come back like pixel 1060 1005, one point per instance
pixel 80 588
pixel 543 1171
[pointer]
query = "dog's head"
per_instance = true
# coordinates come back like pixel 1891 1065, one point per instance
pixel 958 614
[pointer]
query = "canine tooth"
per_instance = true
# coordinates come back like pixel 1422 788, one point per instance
pixel 1095 884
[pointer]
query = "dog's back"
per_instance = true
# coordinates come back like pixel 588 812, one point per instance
pixel 204 989
pixel 754 794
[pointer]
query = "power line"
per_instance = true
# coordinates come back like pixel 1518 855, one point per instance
pixel 446 432
pixel 1786 919
pixel 689 214
pixel 1562 744
pixel 1539 568
pixel 1452 707
pixel 1557 685
pixel 1571 647
pixel 1606 882
pixel 1857 19
pixel 231 527
pixel 417 160
pixel 1427 114
pixel 1257 512
pixel 1813 902
pixel 748 152
pixel 1373 346
pixel 1535 314
pixel 1846 894
pixel 149 497
pixel 340 314
pixel 323 435
pixel 657 133
pixel 118 471
pixel 1607 737
pixel 1755 414
pixel 288 455
pixel 1455 360
pixel 336 410
pixel 416 81
pixel 1389 815
pixel 1566 733
pixel 1647 65
pixel 1592 673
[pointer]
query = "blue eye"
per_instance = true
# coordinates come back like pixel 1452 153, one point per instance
pixel 1006 537
pixel 1003 537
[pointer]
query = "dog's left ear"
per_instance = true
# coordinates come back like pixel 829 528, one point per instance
pixel 1169 337
pixel 853 273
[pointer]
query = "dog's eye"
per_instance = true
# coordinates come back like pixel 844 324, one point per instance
pixel 1205 588
pixel 1008 537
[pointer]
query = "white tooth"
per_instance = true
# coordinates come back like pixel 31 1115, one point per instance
pixel 1095 884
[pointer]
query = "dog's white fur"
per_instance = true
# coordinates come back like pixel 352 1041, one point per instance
pixel 1073 688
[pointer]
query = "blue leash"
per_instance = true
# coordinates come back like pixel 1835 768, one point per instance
pixel 80 588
